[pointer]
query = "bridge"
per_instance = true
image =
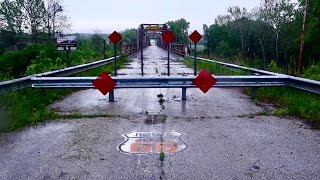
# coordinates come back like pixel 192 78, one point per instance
pixel 148 33
pixel 150 129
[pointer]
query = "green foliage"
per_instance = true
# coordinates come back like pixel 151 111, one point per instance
pixel 212 68
pixel 271 31
pixel 313 72
pixel 109 68
pixel 224 50
pixel 129 36
pixel 15 63
pixel 97 43
pixel 41 58
pixel 40 64
pixel 180 29
pixel 293 102
pixel 274 67
pixel 162 156
pixel 313 28
pixel 29 106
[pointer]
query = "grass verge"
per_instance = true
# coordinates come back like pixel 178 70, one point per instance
pixel 212 68
pixel 29 106
pixel 289 102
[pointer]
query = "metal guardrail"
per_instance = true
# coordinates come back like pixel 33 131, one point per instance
pixel 16 84
pixel 159 82
pixel 295 82
pixel 178 52
pixel 236 68
pixel 77 69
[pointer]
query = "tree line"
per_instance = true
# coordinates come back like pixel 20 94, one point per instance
pixel 271 31
pixel 23 22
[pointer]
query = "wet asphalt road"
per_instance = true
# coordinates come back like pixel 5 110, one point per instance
pixel 224 134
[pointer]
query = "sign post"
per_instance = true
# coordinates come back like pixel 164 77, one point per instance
pixel 68 56
pixel 115 37
pixel 67 43
pixel 105 84
pixel 168 37
pixel 195 37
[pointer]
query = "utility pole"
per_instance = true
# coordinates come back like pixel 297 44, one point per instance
pixel 303 36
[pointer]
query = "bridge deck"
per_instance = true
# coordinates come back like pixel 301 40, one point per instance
pixel 155 63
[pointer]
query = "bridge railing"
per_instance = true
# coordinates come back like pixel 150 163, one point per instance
pixel 16 84
pixel 176 48
pixel 129 49
pixel 295 82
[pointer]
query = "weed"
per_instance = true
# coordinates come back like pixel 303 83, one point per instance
pixel 163 118
pixel 162 156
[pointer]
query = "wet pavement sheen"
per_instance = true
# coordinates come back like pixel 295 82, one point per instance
pixel 218 135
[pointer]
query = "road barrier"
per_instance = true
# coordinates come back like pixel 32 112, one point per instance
pixel 16 84
pixel 178 82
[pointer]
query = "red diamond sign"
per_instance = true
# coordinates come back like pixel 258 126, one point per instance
pixel 104 83
pixel 195 37
pixel 115 37
pixel 168 37
pixel 204 81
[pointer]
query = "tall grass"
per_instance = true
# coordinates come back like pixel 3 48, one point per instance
pixel 29 106
pixel 293 102
pixel 289 101
pixel 212 68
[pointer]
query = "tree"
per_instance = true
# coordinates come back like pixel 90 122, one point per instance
pixel 11 21
pixel 56 20
pixel 38 19
pixel 206 38
pixel 97 41
pixel 312 43
pixel 34 14
pixel 277 13
pixel 180 29
pixel 129 36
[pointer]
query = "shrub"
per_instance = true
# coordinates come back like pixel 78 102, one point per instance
pixel 274 67
pixel 313 72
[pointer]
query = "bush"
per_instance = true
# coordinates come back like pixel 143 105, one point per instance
pixel 313 72
pixel 14 64
pixel 40 64
pixel 40 58
pixel 274 67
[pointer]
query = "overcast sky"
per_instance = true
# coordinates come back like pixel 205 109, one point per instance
pixel 109 15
